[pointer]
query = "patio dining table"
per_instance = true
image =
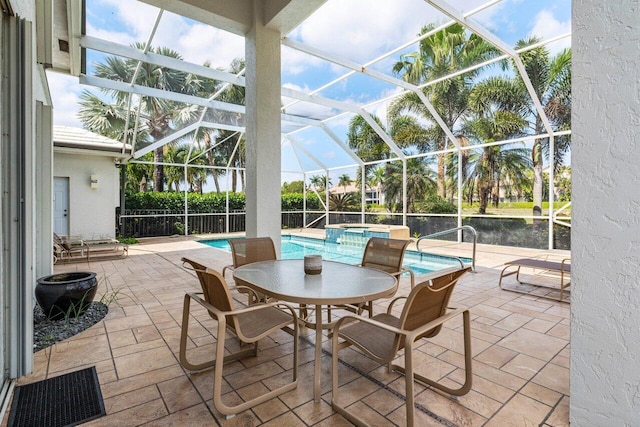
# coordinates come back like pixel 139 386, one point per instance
pixel 338 284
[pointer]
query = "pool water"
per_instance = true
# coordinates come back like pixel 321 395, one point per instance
pixel 294 247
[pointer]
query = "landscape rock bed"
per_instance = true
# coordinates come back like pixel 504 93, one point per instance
pixel 48 332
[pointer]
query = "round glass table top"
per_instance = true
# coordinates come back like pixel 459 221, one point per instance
pixel 337 284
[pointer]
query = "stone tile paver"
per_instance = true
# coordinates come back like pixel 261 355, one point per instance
pixel 520 349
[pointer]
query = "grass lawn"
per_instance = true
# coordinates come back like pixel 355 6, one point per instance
pixel 513 208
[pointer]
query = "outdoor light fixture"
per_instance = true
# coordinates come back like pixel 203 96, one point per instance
pixel 94 181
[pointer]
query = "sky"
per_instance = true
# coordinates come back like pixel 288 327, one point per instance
pixel 358 30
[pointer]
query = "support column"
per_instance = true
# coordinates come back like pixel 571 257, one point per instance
pixel 605 292
pixel 262 94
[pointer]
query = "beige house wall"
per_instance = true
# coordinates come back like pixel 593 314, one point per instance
pixel 91 210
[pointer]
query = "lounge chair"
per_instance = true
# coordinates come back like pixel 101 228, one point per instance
pixel 67 250
pixel 249 324
pixel 538 266
pixel 107 248
pixel 384 335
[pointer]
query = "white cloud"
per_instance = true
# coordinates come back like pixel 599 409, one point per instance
pixel 546 26
pixel 136 17
pixel 295 62
pixel 361 30
pixel 201 43
pixel 65 91
pixel 112 36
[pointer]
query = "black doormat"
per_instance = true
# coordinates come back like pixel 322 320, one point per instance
pixel 67 400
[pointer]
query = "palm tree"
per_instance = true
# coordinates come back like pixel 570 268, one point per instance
pixel 342 203
pixel 499 106
pixel 344 180
pixel 157 114
pixel 109 120
pixel 192 157
pixel 174 175
pixel 551 80
pixel 365 141
pixel 440 54
pixel 318 182
pixel 376 180
pixel 407 133
pixel 225 140
pixel 421 182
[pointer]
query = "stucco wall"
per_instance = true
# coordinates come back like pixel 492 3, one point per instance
pixel 605 240
pixel 91 210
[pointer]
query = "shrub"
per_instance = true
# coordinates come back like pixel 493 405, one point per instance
pixel 209 202
pixel 436 204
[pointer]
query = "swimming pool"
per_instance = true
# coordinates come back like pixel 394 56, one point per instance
pixel 294 247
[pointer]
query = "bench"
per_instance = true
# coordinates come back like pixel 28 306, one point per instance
pixel 562 267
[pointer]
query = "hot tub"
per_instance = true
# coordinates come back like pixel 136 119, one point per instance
pixel 358 234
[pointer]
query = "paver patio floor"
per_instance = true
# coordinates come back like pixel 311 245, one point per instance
pixel 520 346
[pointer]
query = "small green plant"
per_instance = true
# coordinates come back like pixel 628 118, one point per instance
pixel 128 240
pixel 112 295
pixel 76 310
pixel 179 227
pixel 416 235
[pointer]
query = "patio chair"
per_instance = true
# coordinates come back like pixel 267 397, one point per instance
pixel 67 250
pixel 382 336
pixel 385 255
pixel 249 324
pixel 246 251
pixel 252 249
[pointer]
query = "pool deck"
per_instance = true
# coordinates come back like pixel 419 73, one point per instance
pixel 520 347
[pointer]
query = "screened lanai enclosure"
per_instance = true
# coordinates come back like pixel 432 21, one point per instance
pixel 428 114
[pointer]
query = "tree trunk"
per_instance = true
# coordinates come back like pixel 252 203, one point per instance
pixel 442 189
pixel 484 199
pixel 158 169
pixel 536 157
pixel 234 180
pixel 536 154
pixel 215 181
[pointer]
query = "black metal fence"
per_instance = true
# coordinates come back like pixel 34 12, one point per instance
pixel 153 223
pixel 494 231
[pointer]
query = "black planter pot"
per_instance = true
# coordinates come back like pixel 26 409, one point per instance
pixel 66 294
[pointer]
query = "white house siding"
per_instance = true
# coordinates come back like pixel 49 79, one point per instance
pixel 91 210
pixel 605 239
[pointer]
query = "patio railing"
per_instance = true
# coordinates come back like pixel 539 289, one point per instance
pixel 517 231
pixel 153 223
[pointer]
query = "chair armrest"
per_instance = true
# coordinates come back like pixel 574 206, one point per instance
pixel 393 301
pixel 245 288
pixel 221 314
pixel 336 328
pixel 434 323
